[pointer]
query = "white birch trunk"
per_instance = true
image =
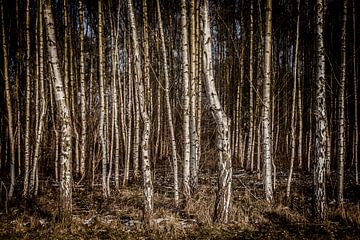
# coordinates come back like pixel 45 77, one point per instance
pixel 194 142
pixel 27 113
pixel 168 108
pixel 320 119
pixel 148 185
pixel 64 113
pixel 186 106
pixel 223 195
pixel 266 115
pixel 40 128
pixel 82 92
pixel 102 128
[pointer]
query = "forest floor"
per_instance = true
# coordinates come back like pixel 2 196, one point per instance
pixel 119 216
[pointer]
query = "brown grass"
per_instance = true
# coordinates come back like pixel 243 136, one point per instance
pixel 119 217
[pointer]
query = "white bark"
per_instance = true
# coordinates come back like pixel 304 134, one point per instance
pixel 64 113
pixel 168 108
pixel 250 143
pixel 40 128
pixel 223 195
pixel 320 118
pixel 27 113
pixel 148 185
pixel 82 92
pixel 266 121
pixel 102 128
pixel 186 106
pixel 194 142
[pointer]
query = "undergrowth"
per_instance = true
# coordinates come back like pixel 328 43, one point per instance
pixel 119 216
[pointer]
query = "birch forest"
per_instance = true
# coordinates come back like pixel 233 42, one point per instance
pixel 190 119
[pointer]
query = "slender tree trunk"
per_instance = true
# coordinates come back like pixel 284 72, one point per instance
pixel 148 94
pixel 223 194
pixel 17 95
pixel 300 118
pixel 130 113
pixel 28 94
pixel 168 108
pixel 320 119
pixel 341 136
pixel 266 121
pixel 186 106
pixel 8 104
pixel 82 93
pixel 194 158
pixel 148 185
pixel 293 107
pixel 40 129
pixel 356 117
pixel 249 151
pixel 135 150
pixel 66 146
pixel 102 128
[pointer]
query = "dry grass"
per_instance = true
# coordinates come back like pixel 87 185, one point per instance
pixel 119 216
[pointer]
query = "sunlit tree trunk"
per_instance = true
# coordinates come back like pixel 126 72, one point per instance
pixel 320 118
pixel 148 185
pixel 250 143
pixel 64 113
pixel 82 92
pixel 148 94
pixel 136 143
pixel 194 157
pixel 130 122
pixel 168 108
pixel 116 106
pixel 266 121
pixel 341 134
pixel 102 128
pixel 41 123
pixel 300 117
pixel 223 195
pixel 186 104
pixel 8 104
pixel 28 94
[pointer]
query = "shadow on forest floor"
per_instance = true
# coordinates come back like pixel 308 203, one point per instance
pixel 119 216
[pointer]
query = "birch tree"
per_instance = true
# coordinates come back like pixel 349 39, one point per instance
pixel 147 180
pixel 186 104
pixel 40 129
pixel 168 108
pixel 223 194
pixel 27 103
pixel 341 107
pixel 194 139
pixel 266 121
pixel 320 118
pixel 65 117
pixel 250 143
pixel 82 92
pixel 8 103
pixel 293 106
pixel 102 128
